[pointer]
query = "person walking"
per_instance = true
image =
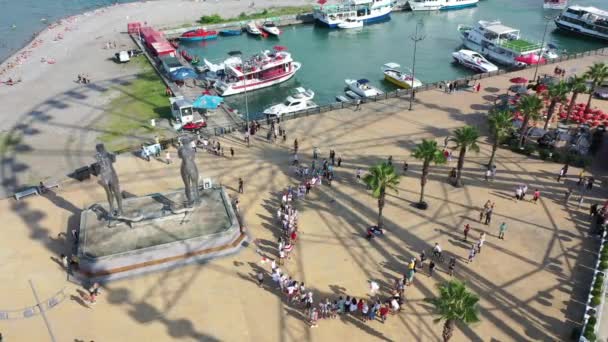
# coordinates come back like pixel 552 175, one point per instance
pixel 567 194
pixel 488 174
pixel 295 145
pixel 339 160
pixel 536 196
pixel 422 259
pixel 518 193
pixel 493 169
pixel 562 173
pixel 489 215
pixel 479 245
pixel 467 228
pixel 93 293
pixel 431 268
pixel 524 190
pixel 501 230
pixel 231 152
pixel 478 87
pixel 260 278
pixel 241 190
pixel 168 158
pixel 452 266
pixel 590 182
pixel 472 253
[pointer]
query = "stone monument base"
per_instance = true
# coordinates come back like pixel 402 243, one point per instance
pixel 156 232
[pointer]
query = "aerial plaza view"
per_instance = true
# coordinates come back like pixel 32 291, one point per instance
pixel 370 170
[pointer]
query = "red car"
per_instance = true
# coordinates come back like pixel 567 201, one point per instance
pixel 194 126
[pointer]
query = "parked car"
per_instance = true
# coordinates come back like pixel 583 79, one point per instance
pixel 601 92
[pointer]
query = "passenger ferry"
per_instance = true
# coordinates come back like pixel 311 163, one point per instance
pixel 440 5
pixel 501 43
pixel 367 11
pixel 260 71
pixel 587 21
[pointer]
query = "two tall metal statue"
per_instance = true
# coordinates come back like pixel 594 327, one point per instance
pixel 109 179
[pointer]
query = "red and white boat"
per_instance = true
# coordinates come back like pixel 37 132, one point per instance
pixel 260 71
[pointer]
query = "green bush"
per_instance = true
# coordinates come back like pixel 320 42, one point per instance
pixel 595 301
pixel 603 265
pixel 543 153
pixel 596 291
pixel 243 15
pixel 211 19
pixel 589 334
pixel 592 321
pixel 528 149
pixel 557 157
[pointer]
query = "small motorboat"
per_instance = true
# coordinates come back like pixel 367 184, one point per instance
pixel 271 28
pixel 362 87
pixel 394 75
pixel 473 60
pixel 231 32
pixel 252 29
pixel 350 23
pixel 198 34
pixel 300 99
pixel 352 95
pixel 186 56
pixel 342 98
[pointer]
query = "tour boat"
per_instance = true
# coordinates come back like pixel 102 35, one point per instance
pixel 260 71
pixel 198 34
pixel 350 23
pixel 252 29
pixel 500 43
pixel 473 60
pixel 362 88
pixel 440 5
pixel 301 99
pixel 367 11
pixel 231 32
pixel 555 4
pixel 393 74
pixel 271 28
pixel 587 21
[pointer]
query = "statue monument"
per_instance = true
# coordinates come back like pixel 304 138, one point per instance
pixel 109 179
pixel 189 172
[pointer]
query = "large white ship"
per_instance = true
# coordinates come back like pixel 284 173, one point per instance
pixel 367 11
pixel 260 71
pixel 588 21
pixel 501 43
pixel 440 5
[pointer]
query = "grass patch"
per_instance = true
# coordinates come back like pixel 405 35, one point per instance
pixel 8 142
pixel 267 13
pixel 127 118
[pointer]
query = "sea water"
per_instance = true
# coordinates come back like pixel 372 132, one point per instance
pixel 329 56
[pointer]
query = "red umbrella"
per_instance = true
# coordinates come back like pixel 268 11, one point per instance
pixel 518 80
pixel 322 2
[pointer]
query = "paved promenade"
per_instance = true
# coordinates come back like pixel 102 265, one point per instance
pixel 532 284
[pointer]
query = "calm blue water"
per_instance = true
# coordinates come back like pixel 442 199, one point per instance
pixel 27 17
pixel 329 56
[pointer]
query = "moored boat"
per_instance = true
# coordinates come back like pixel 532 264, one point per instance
pixel 362 88
pixel 352 94
pixel 186 56
pixel 587 21
pixel 367 11
pixel 500 43
pixel 252 29
pixel 350 23
pixel 342 98
pixel 231 32
pixel 300 99
pixel 440 5
pixel 260 71
pixel 198 34
pixel 270 28
pixel 555 4
pixel 393 74
pixel 473 60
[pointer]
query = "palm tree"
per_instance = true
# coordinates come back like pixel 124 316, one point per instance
pixel 530 106
pixel 577 85
pixel 381 177
pixel 465 139
pixel 501 123
pixel 597 74
pixel 428 152
pixel 556 93
pixel 454 304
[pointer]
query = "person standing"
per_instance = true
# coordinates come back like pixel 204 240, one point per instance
pixel 478 87
pixel 524 190
pixel 536 196
pixel 518 193
pixel 467 228
pixel 493 172
pixel 452 266
pixel 168 157
pixel 261 278
pixel 231 152
pixel 339 160
pixel 480 244
pixel 93 293
pixel 241 190
pixel 590 182
pixel 314 317
pixel 472 253
pixel 295 145
pixel 431 268
pixel 562 172
pixel 489 215
pixel 501 230
pixel 373 288
pixel 422 259
pixel 488 174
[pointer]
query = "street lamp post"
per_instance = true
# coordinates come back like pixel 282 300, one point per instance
pixel 416 38
pixel 542 44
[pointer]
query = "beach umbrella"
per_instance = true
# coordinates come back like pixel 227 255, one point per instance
pixel 207 102
pixel 183 74
pixel 519 80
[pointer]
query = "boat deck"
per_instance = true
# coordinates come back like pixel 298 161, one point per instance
pixel 520 45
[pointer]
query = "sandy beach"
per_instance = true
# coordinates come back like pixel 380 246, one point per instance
pixel 49 113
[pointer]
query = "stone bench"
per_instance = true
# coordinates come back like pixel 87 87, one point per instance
pixel 27 192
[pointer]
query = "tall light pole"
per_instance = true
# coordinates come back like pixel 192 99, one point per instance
pixel 416 38
pixel 542 44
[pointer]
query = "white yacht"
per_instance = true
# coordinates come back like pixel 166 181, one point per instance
pixel 587 21
pixel 252 29
pixel 393 74
pixel 270 28
pixel 362 88
pixel 555 4
pixel 367 11
pixel 301 99
pixel 500 43
pixel 350 23
pixel 440 5
pixel 473 60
